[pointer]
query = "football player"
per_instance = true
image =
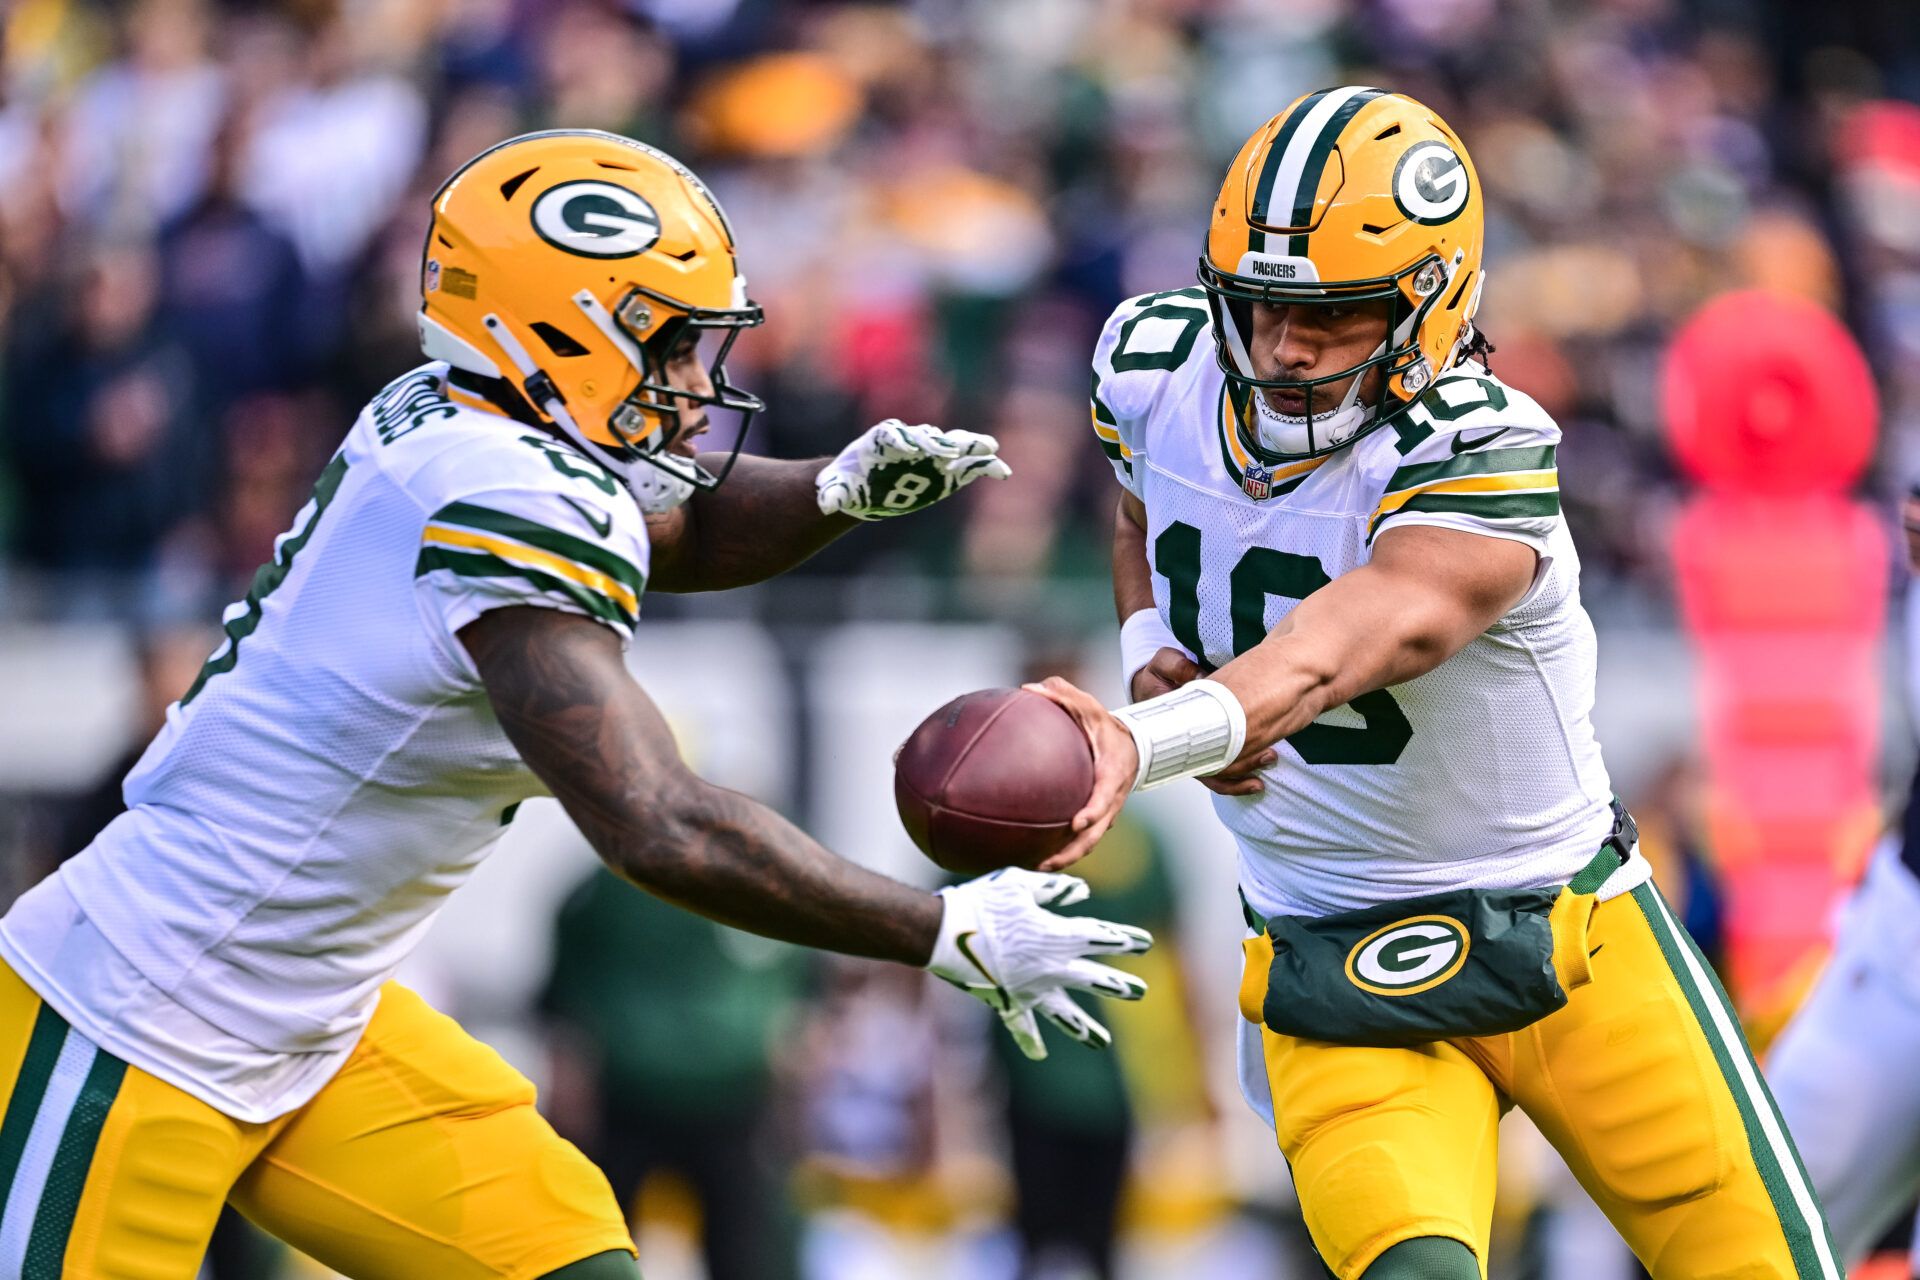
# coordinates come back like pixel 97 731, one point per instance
pixel 1352 608
pixel 198 1007
pixel 1843 1068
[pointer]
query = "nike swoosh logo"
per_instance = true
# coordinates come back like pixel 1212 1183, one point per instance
pixel 960 945
pixel 1461 444
pixel 602 524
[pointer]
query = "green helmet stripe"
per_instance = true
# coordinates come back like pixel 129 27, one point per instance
pixel 1263 193
pixel 1316 163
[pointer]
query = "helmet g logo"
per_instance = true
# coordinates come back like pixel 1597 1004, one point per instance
pixel 1408 956
pixel 596 220
pixel 1430 183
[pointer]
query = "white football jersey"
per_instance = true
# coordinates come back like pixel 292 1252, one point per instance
pixel 337 769
pixel 1482 773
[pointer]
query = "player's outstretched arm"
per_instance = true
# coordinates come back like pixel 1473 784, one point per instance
pixel 1425 594
pixel 762 522
pixel 560 687
pixel 771 515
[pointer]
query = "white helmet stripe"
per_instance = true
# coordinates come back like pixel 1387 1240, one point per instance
pixel 1286 179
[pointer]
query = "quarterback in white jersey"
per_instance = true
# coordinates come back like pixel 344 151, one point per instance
pixel 1374 799
pixel 1351 607
pixel 198 1007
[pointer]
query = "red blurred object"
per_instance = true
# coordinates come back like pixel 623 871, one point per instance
pixel 1782 581
pixel 1769 394
pixel 1883 134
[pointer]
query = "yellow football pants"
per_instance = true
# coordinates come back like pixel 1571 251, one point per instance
pixel 1643 1082
pixel 424 1157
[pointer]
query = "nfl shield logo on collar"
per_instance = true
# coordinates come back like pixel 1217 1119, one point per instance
pixel 1257 481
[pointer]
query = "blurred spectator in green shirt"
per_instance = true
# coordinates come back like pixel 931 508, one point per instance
pixel 666 1027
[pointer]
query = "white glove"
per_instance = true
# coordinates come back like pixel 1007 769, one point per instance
pixel 894 469
pixel 1000 943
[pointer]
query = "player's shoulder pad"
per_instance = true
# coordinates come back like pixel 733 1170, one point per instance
pixel 1470 446
pixel 1144 341
pixel 1459 410
pixel 527 507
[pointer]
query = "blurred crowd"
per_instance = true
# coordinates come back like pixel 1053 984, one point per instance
pixel 211 212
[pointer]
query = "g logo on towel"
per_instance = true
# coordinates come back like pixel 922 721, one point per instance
pixel 1408 956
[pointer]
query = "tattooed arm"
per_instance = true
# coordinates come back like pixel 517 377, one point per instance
pixel 763 521
pixel 563 694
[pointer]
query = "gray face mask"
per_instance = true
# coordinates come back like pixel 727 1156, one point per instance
pixel 655 488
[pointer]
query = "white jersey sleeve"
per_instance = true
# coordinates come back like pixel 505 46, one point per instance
pixel 558 533
pixel 1143 342
pixel 1482 460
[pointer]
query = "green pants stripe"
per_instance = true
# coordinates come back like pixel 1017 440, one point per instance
pixel 1778 1163
pixel 53 1122
pixel 43 1049
pixel 67 1179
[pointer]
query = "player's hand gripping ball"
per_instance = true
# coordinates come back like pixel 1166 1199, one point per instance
pixel 993 779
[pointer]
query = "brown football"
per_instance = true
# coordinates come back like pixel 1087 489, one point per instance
pixel 993 780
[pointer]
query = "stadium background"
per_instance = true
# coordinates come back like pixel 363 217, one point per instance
pixel 210 220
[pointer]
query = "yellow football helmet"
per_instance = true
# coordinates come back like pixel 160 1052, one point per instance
pixel 572 263
pixel 1349 195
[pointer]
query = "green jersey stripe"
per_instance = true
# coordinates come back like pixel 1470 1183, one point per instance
pixel 1100 410
pixel 1487 506
pixel 482 564
pixel 1774 1157
pixel 67 1179
pixel 565 545
pixel 1474 463
pixel 29 1088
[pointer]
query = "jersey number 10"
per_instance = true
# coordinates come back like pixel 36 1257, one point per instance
pixel 1264 572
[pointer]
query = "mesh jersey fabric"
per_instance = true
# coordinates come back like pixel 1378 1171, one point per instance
pixel 338 769
pixel 1485 771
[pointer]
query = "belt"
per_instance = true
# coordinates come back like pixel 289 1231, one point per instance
pixel 1622 839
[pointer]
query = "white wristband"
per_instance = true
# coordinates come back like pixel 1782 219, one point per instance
pixel 1189 732
pixel 1141 636
pixel 959 913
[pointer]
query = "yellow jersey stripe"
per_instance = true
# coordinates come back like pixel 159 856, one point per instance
pixel 520 553
pixel 1547 481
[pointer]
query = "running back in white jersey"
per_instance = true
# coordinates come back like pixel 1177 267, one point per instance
pixel 337 768
pixel 1484 772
